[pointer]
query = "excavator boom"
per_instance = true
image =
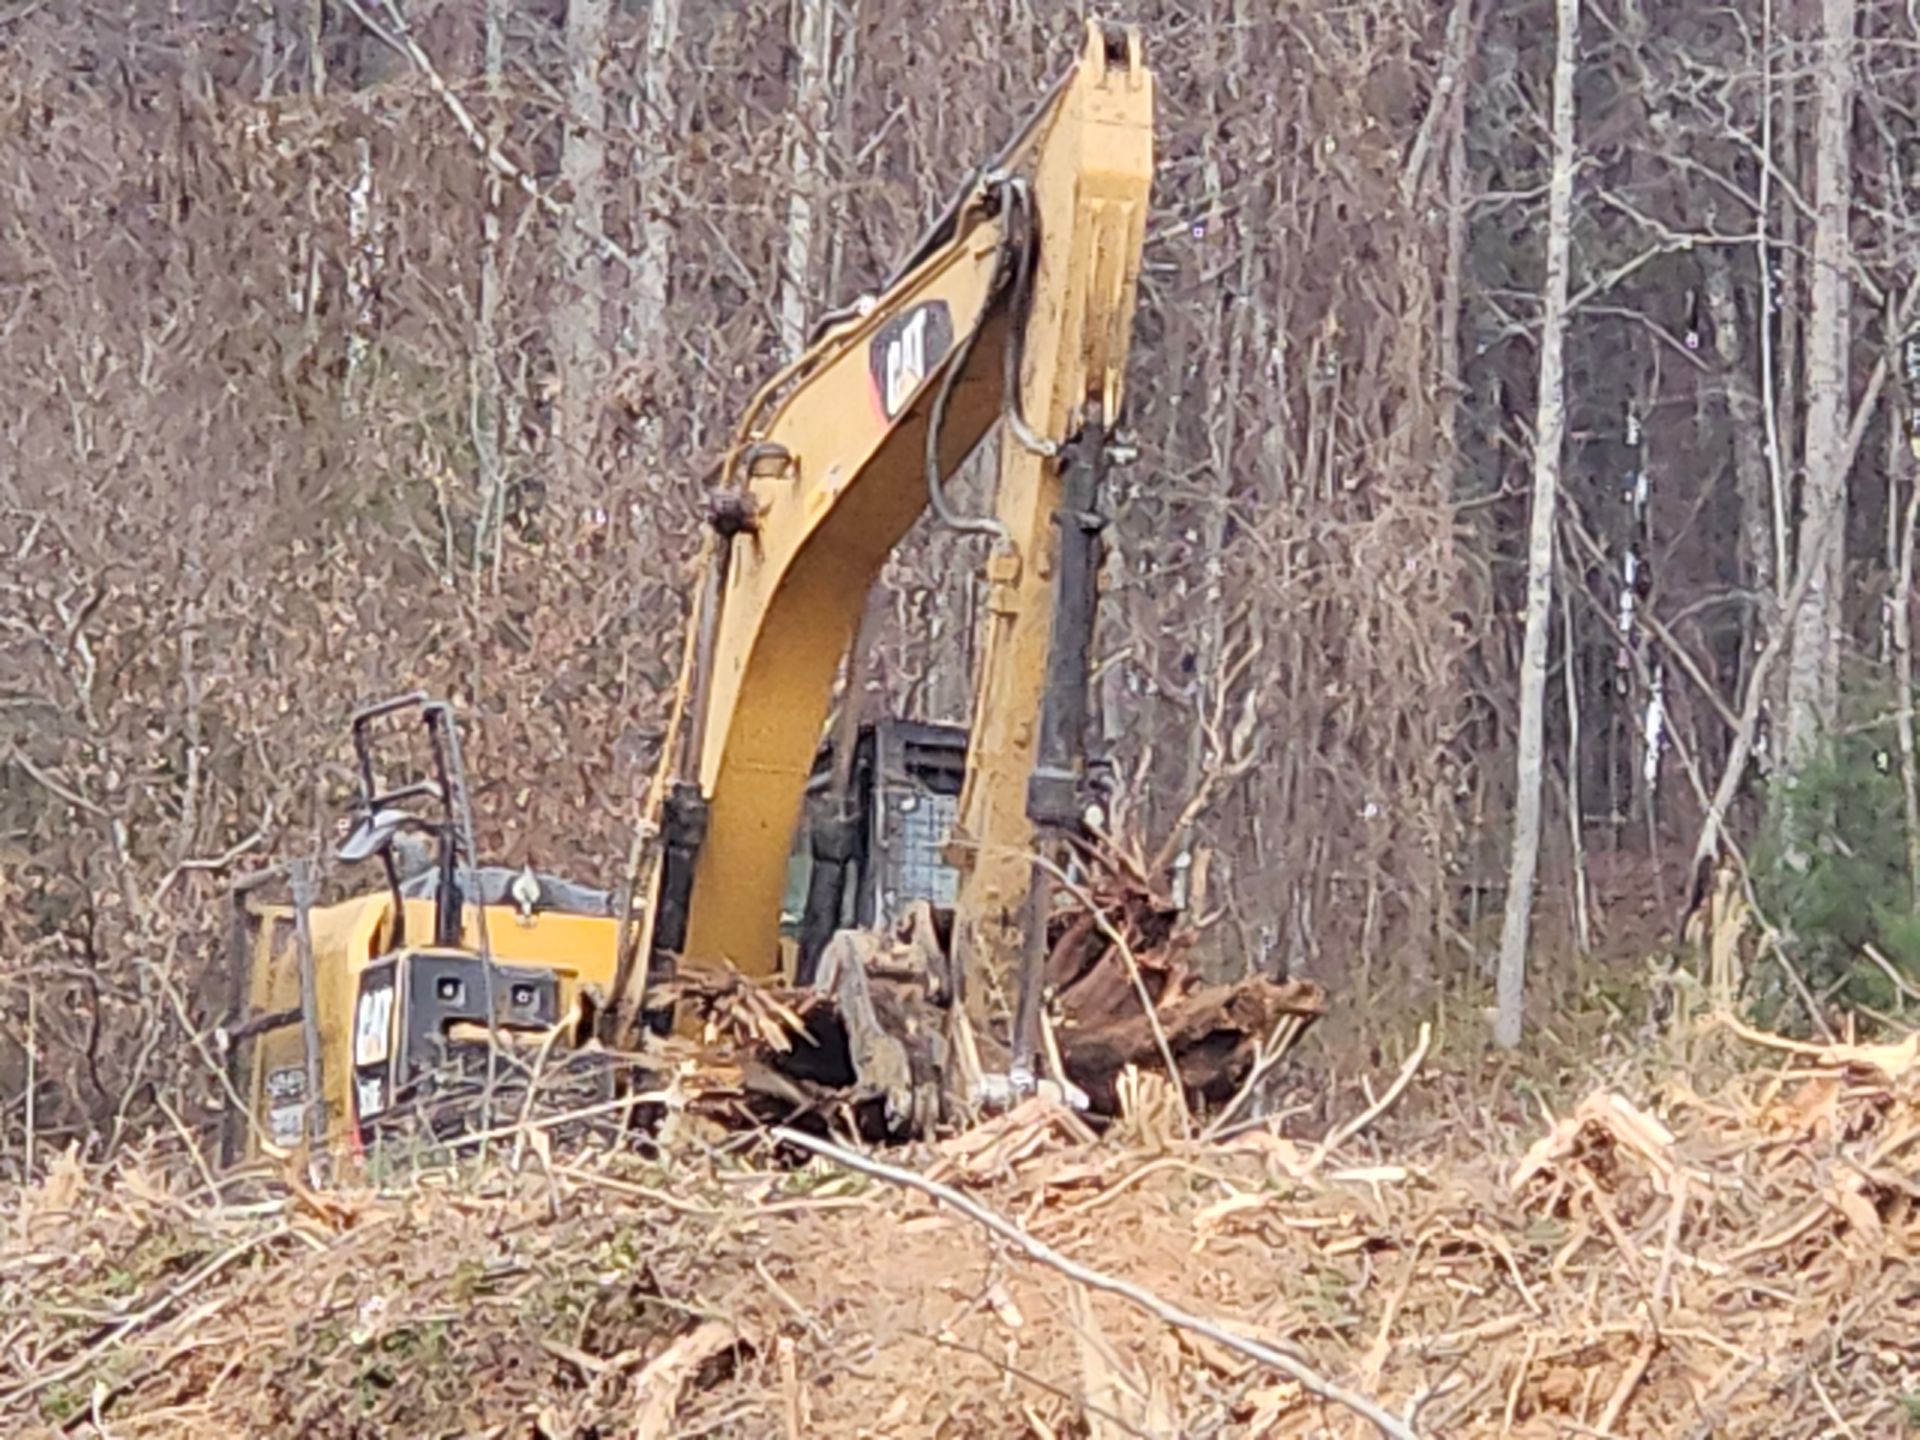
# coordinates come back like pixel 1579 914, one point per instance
pixel 1017 308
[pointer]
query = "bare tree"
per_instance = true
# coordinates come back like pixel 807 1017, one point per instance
pixel 1813 669
pixel 1550 429
pixel 812 24
pixel 363 260
pixel 581 312
pixel 653 139
pixel 484 413
pixel 316 47
pixel 1750 449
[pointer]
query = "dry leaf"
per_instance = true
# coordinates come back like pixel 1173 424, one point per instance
pixel 1858 1210
pixel 1209 1219
pixel 1809 1111
pixel 1269 1403
pixel 1004 1307
pixel 657 1388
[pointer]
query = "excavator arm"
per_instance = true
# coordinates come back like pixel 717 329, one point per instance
pixel 1015 310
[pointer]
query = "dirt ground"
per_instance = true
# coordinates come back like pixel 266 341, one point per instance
pixel 1716 1239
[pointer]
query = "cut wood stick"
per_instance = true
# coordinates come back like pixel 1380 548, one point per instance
pixel 1676 1216
pixel 1302 1374
pixel 1519 1379
pixel 1629 1382
pixel 1345 1132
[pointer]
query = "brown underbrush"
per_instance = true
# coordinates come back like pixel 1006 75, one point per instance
pixel 1723 1247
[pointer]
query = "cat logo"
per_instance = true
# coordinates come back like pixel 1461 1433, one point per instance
pixel 906 350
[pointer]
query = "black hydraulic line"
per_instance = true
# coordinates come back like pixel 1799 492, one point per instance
pixel 1054 790
pixel 684 827
pixel 836 831
pixel 1013 276
pixel 1056 787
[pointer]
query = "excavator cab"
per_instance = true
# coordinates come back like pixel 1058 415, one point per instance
pixel 905 783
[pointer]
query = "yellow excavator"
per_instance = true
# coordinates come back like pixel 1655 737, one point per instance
pixel 769 856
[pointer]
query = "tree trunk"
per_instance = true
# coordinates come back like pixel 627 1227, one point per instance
pixel 1550 428
pixel 654 142
pixel 363 264
pixel 1903 654
pixel 266 40
pixel 1784 279
pixel 845 73
pixel 485 378
pixel 1813 672
pixel 1903 471
pixel 1226 347
pixel 1771 302
pixel 812 22
pixel 1751 479
pixel 581 310
pixel 317 47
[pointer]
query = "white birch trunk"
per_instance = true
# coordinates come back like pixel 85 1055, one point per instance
pixel 1752 481
pixel 1814 664
pixel 581 309
pixel 1576 816
pixel 316 47
pixel 363 262
pixel 1903 661
pixel 1903 467
pixel 812 22
pixel 1550 428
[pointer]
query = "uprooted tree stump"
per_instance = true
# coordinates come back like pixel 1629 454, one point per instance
pixel 1124 995
pixel 877 1031
pixel 1213 1032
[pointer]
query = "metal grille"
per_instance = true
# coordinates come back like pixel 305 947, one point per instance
pixel 915 868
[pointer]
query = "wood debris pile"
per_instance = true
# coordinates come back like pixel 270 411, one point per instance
pixel 1122 996
pixel 1725 1259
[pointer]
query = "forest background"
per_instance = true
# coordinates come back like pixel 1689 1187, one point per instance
pixel 353 346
